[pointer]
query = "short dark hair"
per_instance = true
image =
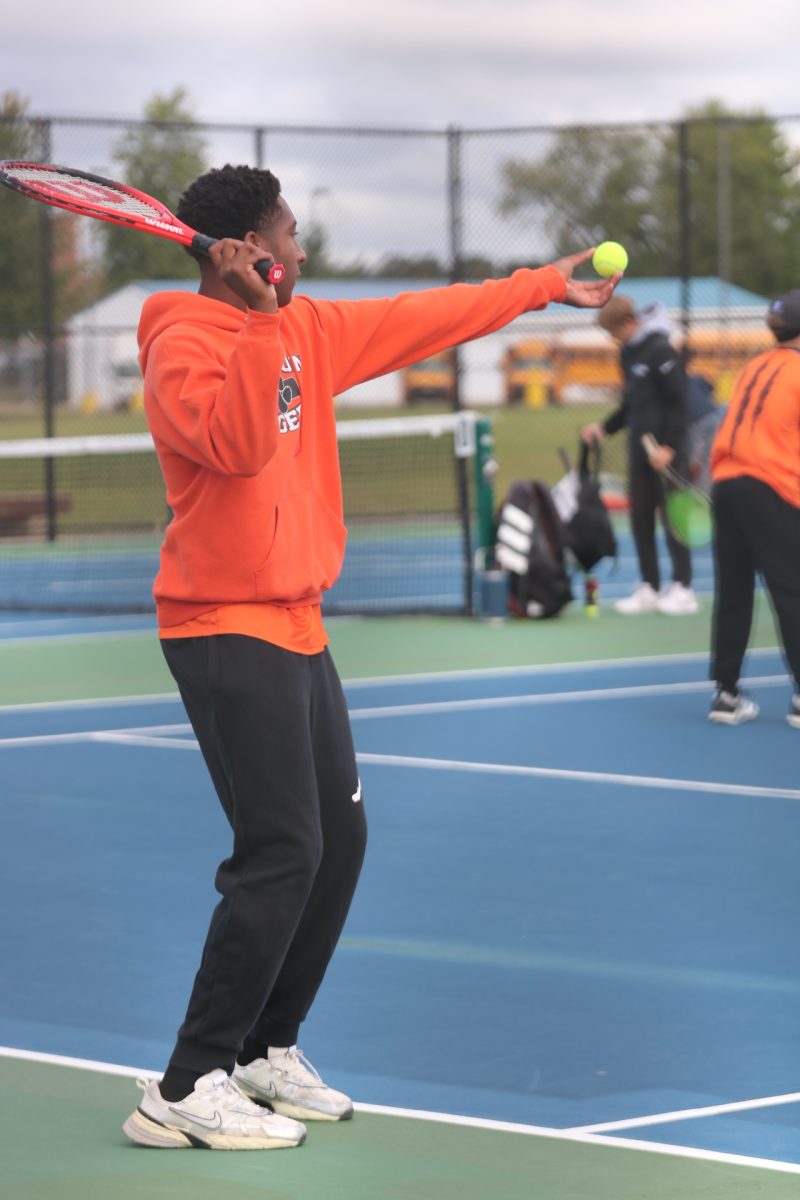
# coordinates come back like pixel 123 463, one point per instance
pixel 230 201
pixel 616 312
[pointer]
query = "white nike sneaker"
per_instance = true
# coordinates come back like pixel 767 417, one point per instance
pixel 732 708
pixel 677 601
pixel 216 1115
pixel 289 1084
pixel 643 600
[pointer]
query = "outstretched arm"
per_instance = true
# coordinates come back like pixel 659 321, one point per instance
pixel 372 337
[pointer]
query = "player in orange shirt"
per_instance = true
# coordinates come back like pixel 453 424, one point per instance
pixel 755 466
pixel 239 383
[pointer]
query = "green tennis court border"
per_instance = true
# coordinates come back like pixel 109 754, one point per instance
pixel 62 1132
pixel 88 665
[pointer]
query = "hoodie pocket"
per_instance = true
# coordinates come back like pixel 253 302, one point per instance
pixel 307 550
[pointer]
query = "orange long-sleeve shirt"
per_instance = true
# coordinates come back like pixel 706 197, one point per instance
pixel 240 405
pixel 760 433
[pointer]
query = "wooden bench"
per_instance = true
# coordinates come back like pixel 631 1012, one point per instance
pixel 25 513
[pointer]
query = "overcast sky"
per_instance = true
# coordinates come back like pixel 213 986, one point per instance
pixel 427 63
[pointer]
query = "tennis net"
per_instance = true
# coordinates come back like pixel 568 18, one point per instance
pixel 82 518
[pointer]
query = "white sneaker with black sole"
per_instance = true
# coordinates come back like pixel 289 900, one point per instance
pixel 288 1083
pixel 728 708
pixel 216 1116
pixel 793 715
pixel 643 600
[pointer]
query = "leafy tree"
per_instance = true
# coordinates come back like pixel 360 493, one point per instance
pixel 22 235
pixel 20 223
pixel 624 183
pixel 159 157
pixel 592 184
pixel 744 190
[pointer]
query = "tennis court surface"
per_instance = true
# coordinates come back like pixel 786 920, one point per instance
pixel 572 966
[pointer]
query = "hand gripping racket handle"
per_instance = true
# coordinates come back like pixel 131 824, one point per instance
pixel 270 272
pixel 650 444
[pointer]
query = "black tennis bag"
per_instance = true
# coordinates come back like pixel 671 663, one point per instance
pixel 589 532
pixel 530 545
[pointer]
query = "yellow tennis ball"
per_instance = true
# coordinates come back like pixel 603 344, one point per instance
pixel 609 257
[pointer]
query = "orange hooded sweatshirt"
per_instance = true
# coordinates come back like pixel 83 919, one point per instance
pixel 240 406
pixel 760 433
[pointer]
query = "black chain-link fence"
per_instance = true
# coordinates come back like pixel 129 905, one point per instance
pixel 709 211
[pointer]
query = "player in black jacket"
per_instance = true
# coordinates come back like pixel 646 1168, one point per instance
pixel 654 400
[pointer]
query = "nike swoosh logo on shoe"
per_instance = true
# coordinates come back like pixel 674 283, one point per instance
pixel 214 1122
pixel 356 794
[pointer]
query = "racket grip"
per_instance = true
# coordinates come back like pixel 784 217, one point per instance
pixel 270 272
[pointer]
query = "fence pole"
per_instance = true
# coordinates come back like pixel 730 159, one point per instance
pixel 455 205
pixel 455 200
pixel 685 231
pixel 48 335
pixel 260 136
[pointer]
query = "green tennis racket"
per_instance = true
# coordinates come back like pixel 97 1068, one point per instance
pixel 688 508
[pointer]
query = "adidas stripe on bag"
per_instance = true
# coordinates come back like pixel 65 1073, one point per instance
pixel 529 545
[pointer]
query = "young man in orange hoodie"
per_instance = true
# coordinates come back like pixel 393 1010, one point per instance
pixel 755 466
pixel 239 383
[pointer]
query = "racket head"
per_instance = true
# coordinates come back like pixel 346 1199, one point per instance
pixel 689 517
pixel 93 196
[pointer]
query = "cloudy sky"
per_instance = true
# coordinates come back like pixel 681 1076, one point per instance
pixel 427 63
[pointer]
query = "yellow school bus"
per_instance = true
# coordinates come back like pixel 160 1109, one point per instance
pixel 719 354
pixel 528 373
pixel 559 370
pixel 571 368
pixel 432 378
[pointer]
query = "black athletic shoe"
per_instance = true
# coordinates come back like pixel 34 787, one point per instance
pixel 728 708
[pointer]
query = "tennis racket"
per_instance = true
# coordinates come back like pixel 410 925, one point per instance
pixel 92 196
pixel 688 507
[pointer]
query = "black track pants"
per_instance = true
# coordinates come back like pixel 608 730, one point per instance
pixel 755 531
pixel 646 497
pixel 274 732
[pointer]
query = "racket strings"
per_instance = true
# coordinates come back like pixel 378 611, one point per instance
pixel 50 183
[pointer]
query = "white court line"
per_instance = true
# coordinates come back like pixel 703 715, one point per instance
pixel 687 656
pixel 689 1114
pixel 542 1131
pixel 617 693
pixel 146 736
pixel 153 737
pixel 643 781
pixel 134 739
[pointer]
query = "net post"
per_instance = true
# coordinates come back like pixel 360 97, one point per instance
pixel 485 470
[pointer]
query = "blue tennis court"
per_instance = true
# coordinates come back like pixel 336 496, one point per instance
pixel 579 910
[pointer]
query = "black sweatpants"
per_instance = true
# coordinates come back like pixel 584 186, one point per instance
pixel 755 531
pixel 646 498
pixel 275 734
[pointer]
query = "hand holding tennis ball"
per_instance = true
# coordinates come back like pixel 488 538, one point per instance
pixel 608 258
